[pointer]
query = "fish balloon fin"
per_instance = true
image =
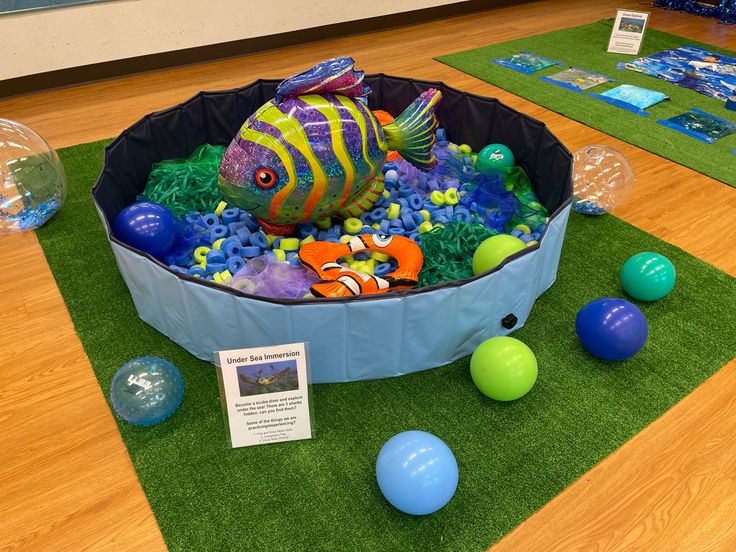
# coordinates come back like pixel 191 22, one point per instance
pixel 412 132
pixel 363 201
pixel 334 76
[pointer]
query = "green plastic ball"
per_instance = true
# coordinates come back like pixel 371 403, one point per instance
pixel 494 156
pixel 492 251
pixel 503 368
pixel 648 276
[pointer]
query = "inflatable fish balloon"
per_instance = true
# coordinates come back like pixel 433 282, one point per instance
pixel 316 150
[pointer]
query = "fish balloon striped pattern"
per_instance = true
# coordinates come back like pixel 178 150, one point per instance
pixel 316 149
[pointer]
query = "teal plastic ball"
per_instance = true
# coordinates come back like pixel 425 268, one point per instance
pixel 494 157
pixel 648 276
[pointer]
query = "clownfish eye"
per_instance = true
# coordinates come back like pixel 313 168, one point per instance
pixel 265 178
pixel 382 240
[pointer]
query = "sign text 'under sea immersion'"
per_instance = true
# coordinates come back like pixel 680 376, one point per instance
pixel 265 393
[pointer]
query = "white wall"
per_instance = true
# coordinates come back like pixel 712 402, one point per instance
pixel 40 41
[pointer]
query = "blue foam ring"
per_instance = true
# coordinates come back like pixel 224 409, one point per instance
pixel 382 269
pixel 211 268
pixel 389 166
pixel 197 271
pixel 517 233
pixel 291 255
pixel 230 215
pixel 415 201
pixel 461 216
pixel 414 236
pixel 377 215
pixel 368 230
pixel 391 186
pixel 417 217
pixel 233 227
pixel 215 256
pixel 250 251
pixel 406 191
pixel 269 253
pixel 384 226
pixel 336 229
pixel 184 258
pixel 322 235
pixel 443 143
pixel 393 263
pixel 441 134
pixel 396 231
pixel 449 210
pixel 194 218
pixel 536 235
pixel 259 239
pixel 210 219
pixel 243 235
pixel 234 264
pixel 361 256
pixel 276 243
pixel 250 221
pixel 209 278
pixel 444 219
pixel 231 247
pixel 217 232
pixel 306 229
pixel 366 219
pixel 177 268
pixel 380 202
pixel 431 207
pixel 408 221
pixel 526 238
pixel 333 239
pixel 393 194
pixel 396 223
pixel 405 211
pixel 403 202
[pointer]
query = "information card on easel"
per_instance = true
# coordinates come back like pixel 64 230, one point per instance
pixel 628 32
pixel 266 394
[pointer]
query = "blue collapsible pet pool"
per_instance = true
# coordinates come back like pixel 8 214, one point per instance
pixel 366 337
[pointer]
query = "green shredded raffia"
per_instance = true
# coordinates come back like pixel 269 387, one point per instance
pixel 448 252
pixel 186 185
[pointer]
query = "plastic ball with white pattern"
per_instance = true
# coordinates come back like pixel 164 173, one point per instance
pixel 32 179
pixel 602 178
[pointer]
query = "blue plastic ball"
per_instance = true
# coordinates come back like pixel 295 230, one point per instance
pixel 147 226
pixel 416 472
pixel 612 329
pixel 146 390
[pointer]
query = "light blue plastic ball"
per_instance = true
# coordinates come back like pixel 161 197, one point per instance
pixel 146 390
pixel 416 472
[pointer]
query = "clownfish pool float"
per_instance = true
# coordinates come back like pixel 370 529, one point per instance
pixel 316 149
pixel 321 258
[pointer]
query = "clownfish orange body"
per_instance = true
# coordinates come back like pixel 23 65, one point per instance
pixel 321 258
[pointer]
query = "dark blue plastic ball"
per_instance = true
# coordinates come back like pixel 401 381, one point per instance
pixel 147 226
pixel 146 390
pixel 612 329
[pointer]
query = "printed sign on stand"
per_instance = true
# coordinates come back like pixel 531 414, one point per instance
pixel 265 393
pixel 628 32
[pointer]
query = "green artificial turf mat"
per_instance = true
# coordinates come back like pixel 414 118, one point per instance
pixel 322 494
pixel 585 47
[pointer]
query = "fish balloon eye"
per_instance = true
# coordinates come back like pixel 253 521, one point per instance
pixel 266 178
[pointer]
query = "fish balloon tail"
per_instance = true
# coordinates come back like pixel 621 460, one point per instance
pixel 412 132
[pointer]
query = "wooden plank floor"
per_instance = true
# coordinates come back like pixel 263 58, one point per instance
pixel 66 481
